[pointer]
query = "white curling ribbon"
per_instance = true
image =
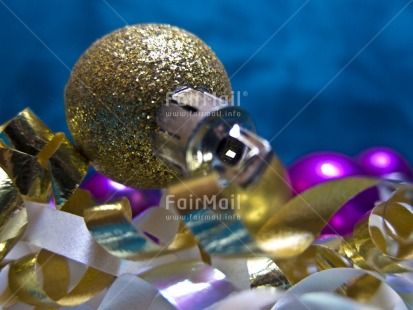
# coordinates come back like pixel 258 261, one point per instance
pixel 66 234
pixel 326 282
pixel 235 269
pixel 322 300
pixel 150 223
pixel 129 292
pixel 257 299
pixel 20 249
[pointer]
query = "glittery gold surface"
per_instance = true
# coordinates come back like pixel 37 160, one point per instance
pixel 117 87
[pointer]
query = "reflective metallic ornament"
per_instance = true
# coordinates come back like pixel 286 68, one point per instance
pixel 344 220
pixel 117 87
pixel 317 168
pixel 385 163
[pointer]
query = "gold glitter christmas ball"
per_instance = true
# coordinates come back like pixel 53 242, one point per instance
pixel 118 85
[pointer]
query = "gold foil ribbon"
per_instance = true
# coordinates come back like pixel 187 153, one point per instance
pixel 111 227
pixel 25 282
pixel 381 242
pixel 288 236
pixel 262 220
pixel 30 177
pixel 13 216
pixel 28 146
pixel 297 224
pixel 260 201
pixel 259 222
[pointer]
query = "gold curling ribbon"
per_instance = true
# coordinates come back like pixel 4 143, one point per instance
pixel 383 241
pixel 363 252
pixel 263 272
pixel 269 225
pixel 229 228
pixel 254 204
pixel 78 202
pixel 27 134
pixel 29 157
pixel 217 230
pixel 13 216
pixel 111 226
pixel 49 149
pixel 25 283
pixel 258 202
pixel 313 259
pixel 297 224
pixel 67 168
pixel 284 273
pixel 30 177
pixel 397 224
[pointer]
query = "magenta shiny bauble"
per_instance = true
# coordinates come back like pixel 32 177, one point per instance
pixel 343 221
pixel 106 190
pixel 317 168
pixel 386 163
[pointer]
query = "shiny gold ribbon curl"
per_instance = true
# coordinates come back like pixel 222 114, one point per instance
pixel 40 161
pixel 289 237
pixel 33 161
pixel 381 243
pixel 13 216
pixel 111 226
pixel 263 220
pixel 25 283
pixel 259 222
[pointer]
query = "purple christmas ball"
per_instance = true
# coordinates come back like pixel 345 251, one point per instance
pixel 317 168
pixel 105 190
pixel 385 163
pixel 343 221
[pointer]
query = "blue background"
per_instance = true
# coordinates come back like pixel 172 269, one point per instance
pixel 346 65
